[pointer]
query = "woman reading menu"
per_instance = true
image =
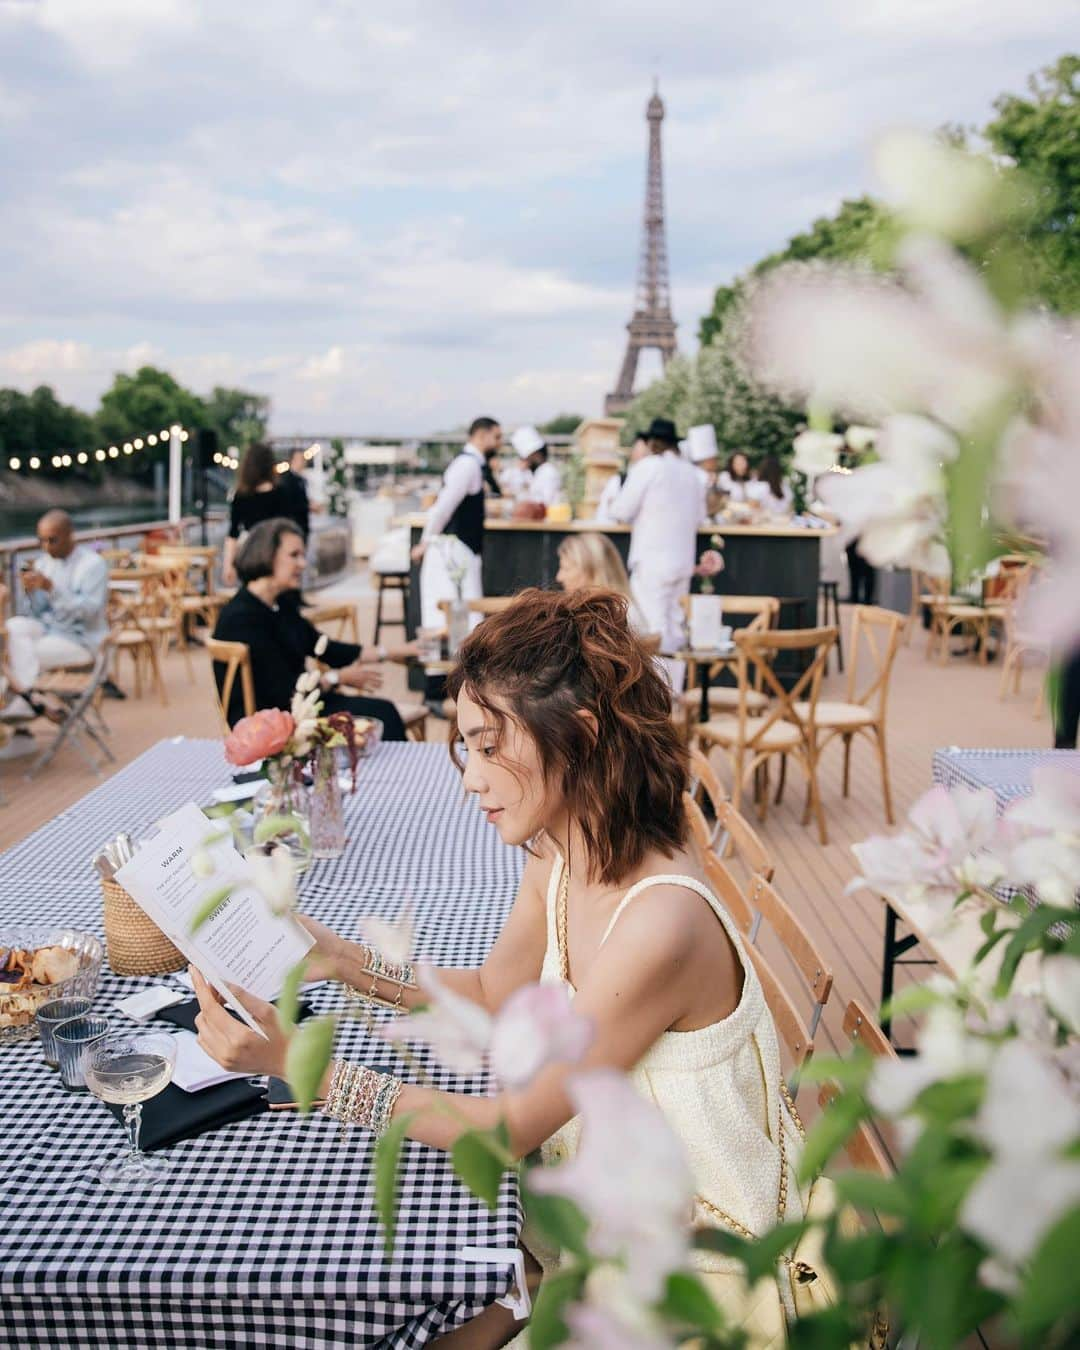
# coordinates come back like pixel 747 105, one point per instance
pixel 572 755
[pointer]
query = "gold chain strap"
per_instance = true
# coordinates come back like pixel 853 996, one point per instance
pixel 561 902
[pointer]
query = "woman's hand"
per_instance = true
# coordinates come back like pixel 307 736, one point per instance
pixel 228 574
pixel 359 676
pixel 232 1043
pixel 329 958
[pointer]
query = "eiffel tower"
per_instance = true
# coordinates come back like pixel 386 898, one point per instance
pixel 651 324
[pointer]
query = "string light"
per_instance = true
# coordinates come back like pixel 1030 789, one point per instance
pixel 127 449
pixel 99 455
pixel 138 443
pixel 57 462
pixel 151 440
pixel 82 457
pixel 14 463
pixel 164 434
pixel 35 463
pixel 183 436
pixel 65 460
pixel 113 452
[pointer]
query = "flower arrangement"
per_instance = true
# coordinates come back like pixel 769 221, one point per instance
pixel 710 564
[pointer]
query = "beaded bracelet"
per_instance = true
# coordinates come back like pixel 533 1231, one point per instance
pixel 379 969
pixel 361 1096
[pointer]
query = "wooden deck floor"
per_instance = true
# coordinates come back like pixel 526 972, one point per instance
pixel 930 706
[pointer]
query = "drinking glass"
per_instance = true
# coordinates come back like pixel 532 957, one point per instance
pixel 73 1040
pixel 428 645
pixel 128 1068
pixel 54 1014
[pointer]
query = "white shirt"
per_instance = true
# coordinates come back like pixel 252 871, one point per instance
pixel 464 476
pixel 546 483
pixel 759 491
pixel 608 497
pixel 664 499
pixel 736 491
pixel 75 607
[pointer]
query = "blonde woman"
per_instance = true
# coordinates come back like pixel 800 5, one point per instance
pixel 591 561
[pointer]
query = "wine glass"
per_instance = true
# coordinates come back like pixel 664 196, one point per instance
pixel 127 1068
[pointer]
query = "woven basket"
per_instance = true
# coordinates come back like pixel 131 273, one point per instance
pixel 136 945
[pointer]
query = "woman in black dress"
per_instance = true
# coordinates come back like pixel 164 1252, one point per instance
pixel 259 495
pixel 265 614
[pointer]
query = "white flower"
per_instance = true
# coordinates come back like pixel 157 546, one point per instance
pixel 815 452
pixel 860 438
pixel 273 875
pixel 934 859
pixel 392 939
pixel 307 681
pixel 946 1049
pixel 321 645
pixel 613 1316
pixel 457 1029
pixel 1044 828
pixel 1061 987
pixel 938 187
pixel 1028 1117
pixel 536 1026
pixel 629 1177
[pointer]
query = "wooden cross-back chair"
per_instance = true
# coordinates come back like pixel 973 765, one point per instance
pixel 730 831
pixel 341 618
pixel 1019 644
pixel 132 630
pixel 763 612
pixel 749 740
pixel 875 632
pixel 769 907
pixel 236 658
pixel 950 614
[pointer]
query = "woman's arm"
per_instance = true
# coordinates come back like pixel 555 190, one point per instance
pixel 228 562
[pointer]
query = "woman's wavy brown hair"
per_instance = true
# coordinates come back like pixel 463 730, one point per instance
pixel 548 657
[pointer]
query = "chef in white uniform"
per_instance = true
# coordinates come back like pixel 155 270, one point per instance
pixel 663 499
pixel 532 451
pixel 703 454
pixel 451 546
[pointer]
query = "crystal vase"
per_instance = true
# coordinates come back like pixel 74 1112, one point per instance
pixel 458 626
pixel 327 811
pixel 284 798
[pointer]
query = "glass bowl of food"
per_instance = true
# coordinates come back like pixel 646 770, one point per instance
pixel 39 965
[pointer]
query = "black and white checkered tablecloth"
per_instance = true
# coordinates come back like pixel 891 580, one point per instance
pixel 264 1233
pixel 1006 772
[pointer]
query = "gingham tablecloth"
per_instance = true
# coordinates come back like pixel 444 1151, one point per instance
pixel 1006 772
pixel 264 1233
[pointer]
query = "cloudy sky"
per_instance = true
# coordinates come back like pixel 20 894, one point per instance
pixel 391 217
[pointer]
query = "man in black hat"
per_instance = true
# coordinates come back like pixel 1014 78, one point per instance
pixel 663 499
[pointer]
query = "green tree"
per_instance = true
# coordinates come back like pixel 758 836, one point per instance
pixel 665 397
pixel 561 425
pixel 146 403
pixel 39 424
pixel 239 418
pixel 1041 133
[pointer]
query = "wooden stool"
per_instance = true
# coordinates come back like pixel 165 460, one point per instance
pixel 830 590
pixel 391 581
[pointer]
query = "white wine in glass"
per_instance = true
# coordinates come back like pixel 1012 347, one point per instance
pixel 127 1069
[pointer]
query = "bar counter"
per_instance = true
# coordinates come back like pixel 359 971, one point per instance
pixel 766 559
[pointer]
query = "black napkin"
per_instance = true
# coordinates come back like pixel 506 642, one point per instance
pixel 175 1114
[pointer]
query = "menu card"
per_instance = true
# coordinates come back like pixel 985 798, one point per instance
pixel 706 620
pixel 243 942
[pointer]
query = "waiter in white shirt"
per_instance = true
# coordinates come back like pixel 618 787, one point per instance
pixel 458 516
pixel 613 486
pixel 663 498
pixel 532 451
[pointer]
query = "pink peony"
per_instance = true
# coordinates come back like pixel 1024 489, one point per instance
pixel 260 736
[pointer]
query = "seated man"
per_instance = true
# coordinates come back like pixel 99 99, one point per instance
pixel 66 588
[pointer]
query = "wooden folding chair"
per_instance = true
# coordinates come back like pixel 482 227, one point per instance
pixel 862 1029
pixel 750 740
pixel 864 1149
pixel 236 658
pixel 793 1032
pixel 727 891
pixel 866 709
pixel 796 942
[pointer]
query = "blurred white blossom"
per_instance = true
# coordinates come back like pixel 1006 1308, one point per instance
pixel 629 1177
pixel 936 186
pixel 273 873
pixel 946 1049
pixel 1043 830
pixel 391 938
pixel 816 452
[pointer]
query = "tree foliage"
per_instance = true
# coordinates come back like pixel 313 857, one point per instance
pixel 39 424
pixel 562 424
pixel 240 418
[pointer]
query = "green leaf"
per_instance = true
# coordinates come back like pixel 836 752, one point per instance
pixel 686 1301
pixel 825 1330
pixel 866 1191
pixel 1050 1297
pixel 387 1157
pixel 212 903
pixel 916 998
pixel 307 1058
pixel 857 1258
pixel 850 1072
pixel 288 1003
pixel 952 1099
pixel 830 1133
pixel 760 1255
pixel 547 1327
pixel 270 827
pixel 1028 937
pixel 559 1219
pixel 478 1157
pixel 220 810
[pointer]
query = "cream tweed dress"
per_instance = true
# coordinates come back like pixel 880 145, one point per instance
pixel 719 1089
